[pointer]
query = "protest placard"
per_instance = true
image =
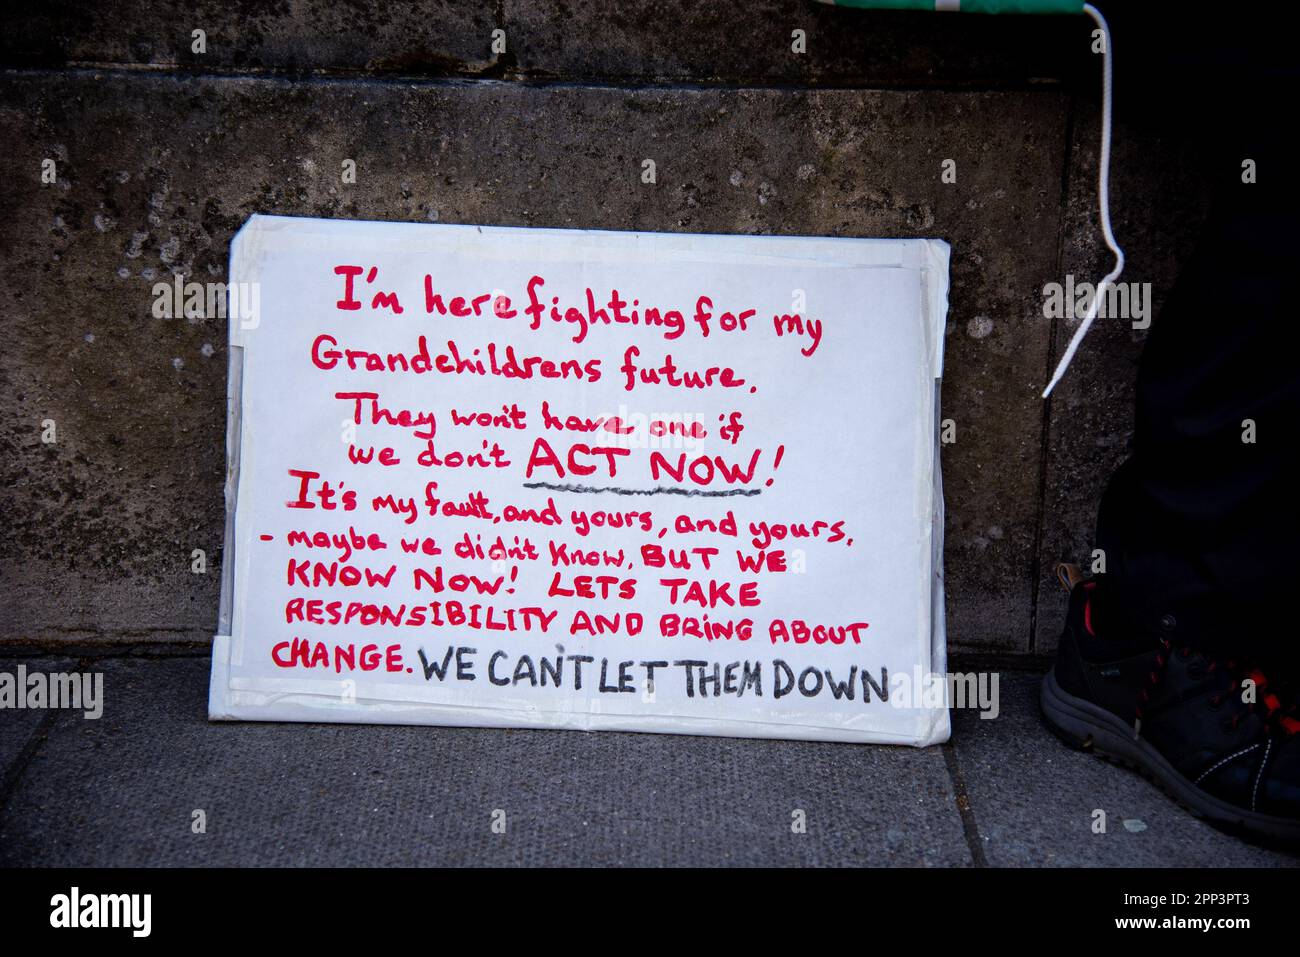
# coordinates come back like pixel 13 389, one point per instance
pixel 578 479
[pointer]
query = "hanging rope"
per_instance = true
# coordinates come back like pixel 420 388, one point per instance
pixel 1103 200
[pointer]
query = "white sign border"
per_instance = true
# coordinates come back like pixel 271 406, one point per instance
pixel 226 703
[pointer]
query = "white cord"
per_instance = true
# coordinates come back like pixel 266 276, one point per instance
pixel 1103 199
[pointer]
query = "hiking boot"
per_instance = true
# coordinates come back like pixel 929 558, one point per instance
pixel 1184 719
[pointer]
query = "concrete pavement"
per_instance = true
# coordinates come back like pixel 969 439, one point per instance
pixel 125 789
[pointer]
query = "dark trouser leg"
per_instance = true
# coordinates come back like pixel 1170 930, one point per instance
pixel 1199 526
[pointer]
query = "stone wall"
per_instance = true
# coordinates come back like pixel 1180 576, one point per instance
pixel 161 153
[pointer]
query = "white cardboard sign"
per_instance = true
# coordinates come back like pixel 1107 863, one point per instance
pixel 573 479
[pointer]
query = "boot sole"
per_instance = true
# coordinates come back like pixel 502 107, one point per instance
pixel 1085 726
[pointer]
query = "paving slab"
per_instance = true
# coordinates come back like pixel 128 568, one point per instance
pixel 16 730
pixel 1034 800
pixel 18 727
pixel 124 790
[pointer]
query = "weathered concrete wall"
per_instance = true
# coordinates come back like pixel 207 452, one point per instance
pixel 162 153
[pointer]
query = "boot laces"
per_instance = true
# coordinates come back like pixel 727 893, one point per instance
pixel 1278 708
